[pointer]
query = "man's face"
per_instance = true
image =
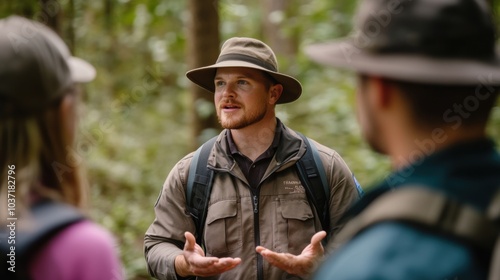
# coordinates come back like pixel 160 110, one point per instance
pixel 241 96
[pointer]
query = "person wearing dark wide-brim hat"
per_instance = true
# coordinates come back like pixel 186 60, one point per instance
pixel 428 77
pixel 259 223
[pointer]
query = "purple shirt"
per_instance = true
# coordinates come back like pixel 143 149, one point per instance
pixel 83 251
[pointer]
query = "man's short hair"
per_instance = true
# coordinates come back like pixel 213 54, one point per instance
pixel 433 104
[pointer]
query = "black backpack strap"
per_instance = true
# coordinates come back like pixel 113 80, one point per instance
pixel 47 218
pixel 428 208
pixel 313 177
pixel 494 214
pixel 199 186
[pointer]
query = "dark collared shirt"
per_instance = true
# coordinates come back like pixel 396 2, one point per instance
pixel 254 170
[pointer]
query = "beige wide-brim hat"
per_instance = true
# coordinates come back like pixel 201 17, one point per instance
pixel 248 53
pixel 426 41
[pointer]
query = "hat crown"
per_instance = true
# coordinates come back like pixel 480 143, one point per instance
pixel 249 50
pixel 33 69
pixel 437 28
pixel 247 53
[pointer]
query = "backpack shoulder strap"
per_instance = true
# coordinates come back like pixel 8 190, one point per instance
pixel 494 214
pixel 48 218
pixel 425 207
pixel 313 177
pixel 199 186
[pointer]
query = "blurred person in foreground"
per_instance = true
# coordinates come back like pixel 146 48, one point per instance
pixel 40 178
pixel 427 82
pixel 260 223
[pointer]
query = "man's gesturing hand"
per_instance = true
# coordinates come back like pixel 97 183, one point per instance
pixel 192 262
pixel 300 265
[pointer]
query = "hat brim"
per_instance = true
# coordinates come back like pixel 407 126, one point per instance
pixel 413 68
pixel 204 77
pixel 81 70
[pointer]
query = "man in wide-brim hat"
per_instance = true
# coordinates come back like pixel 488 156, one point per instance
pixel 428 76
pixel 260 222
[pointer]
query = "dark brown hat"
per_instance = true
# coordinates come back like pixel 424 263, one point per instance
pixel 35 66
pixel 427 41
pixel 249 53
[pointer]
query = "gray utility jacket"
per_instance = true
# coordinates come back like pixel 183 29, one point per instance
pixel 277 215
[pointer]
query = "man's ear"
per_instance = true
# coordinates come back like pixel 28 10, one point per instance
pixel 276 91
pixel 383 92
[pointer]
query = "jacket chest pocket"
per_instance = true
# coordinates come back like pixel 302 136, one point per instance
pixel 223 228
pixel 295 224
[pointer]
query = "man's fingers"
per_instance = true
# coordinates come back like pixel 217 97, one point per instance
pixel 217 267
pixel 259 249
pixel 268 254
pixel 298 265
pixel 189 237
pixel 190 241
pixel 229 262
pixel 317 237
pixel 279 259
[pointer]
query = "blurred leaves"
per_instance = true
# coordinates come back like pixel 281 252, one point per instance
pixel 142 94
pixel 134 121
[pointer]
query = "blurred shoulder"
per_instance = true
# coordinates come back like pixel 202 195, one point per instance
pixel 86 231
pixel 398 251
pixel 84 248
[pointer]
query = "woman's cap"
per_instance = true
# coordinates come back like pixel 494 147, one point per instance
pixel 36 67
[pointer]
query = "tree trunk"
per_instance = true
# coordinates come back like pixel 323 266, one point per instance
pixel 273 33
pixel 49 14
pixel 108 15
pixel 69 16
pixel 203 48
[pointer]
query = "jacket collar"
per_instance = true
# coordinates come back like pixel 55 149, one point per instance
pixel 289 148
pixel 270 151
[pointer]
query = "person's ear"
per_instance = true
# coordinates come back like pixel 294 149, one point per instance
pixel 383 92
pixel 68 113
pixel 276 91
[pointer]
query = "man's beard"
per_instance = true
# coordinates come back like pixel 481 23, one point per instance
pixel 372 136
pixel 375 144
pixel 239 122
pixel 370 127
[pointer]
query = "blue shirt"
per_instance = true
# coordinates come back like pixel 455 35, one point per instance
pixel 468 172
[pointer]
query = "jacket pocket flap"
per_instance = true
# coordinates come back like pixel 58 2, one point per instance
pixel 221 210
pixel 296 209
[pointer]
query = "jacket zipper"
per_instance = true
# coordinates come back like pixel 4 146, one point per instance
pixel 255 200
pixel 260 261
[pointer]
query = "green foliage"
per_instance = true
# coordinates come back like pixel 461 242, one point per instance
pixel 142 97
pixel 134 125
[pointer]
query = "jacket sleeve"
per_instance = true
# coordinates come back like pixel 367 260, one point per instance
pixel 164 238
pixel 344 190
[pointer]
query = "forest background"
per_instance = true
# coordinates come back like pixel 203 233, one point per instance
pixel 141 114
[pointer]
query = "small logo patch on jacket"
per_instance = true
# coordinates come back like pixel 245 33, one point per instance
pixel 292 187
